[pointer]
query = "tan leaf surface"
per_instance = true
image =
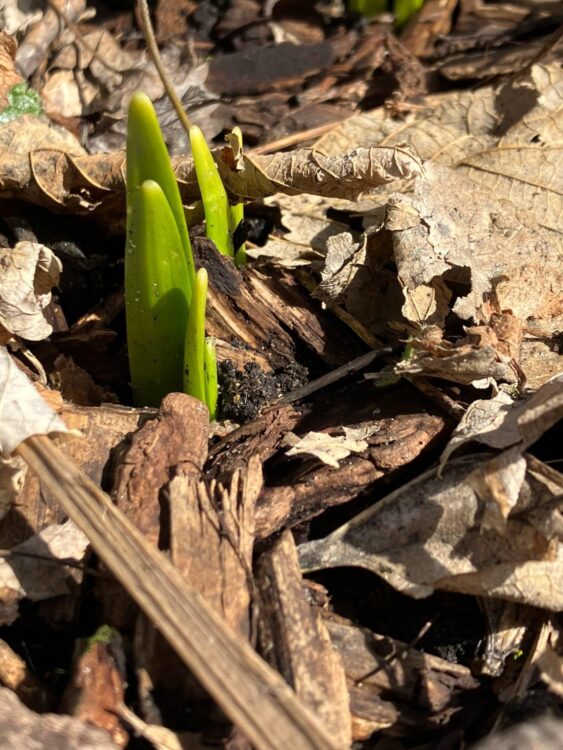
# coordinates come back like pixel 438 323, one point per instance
pixel 18 15
pixel 29 272
pixel 331 449
pixel 22 410
pixel 50 173
pixel 448 228
pixel 428 535
pixel 30 574
pixel 507 139
pixel 500 422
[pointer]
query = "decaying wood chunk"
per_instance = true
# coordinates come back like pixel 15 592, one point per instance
pixel 175 443
pixel 296 641
pixel 394 685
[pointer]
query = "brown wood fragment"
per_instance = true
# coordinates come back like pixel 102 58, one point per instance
pixel 212 537
pixel 295 640
pixel 294 308
pixel 394 685
pixel 22 728
pixel 97 688
pixel 252 695
pixel 433 20
pixel 310 487
pixel 175 443
pixel 258 438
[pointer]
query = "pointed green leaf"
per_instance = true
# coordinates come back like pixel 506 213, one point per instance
pixel 211 382
pixel 213 194
pixel 156 296
pixel 147 159
pixel 194 350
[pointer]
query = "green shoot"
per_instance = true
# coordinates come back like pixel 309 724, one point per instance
pixel 367 8
pixel 211 384
pixel 405 9
pixel 213 194
pixel 156 296
pixel 147 159
pixel 237 213
pixel 194 347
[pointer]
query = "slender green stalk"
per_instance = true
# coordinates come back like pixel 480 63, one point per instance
pixel 147 159
pixel 213 194
pixel 367 7
pixel 194 347
pixel 236 214
pixel 156 296
pixel 211 381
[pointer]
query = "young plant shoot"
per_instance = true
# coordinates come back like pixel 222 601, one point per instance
pixel 194 348
pixel 213 194
pixel 147 159
pixel 237 214
pixel 164 300
pixel 156 296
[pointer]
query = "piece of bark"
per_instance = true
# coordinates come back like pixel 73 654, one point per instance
pixel 259 438
pixel 21 728
pixel 97 686
pixel 172 444
pixel 212 538
pixel 296 641
pixel 433 20
pixel 268 314
pixel 294 308
pixel 310 487
pixel 175 443
pixel 393 685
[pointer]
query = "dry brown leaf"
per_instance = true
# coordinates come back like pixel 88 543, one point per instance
pixel 12 477
pixel 499 481
pixel 427 535
pixel 18 15
pixel 32 569
pixel 22 410
pixel 507 139
pixel 500 422
pixel 343 259
pixel 29 272
pixel 29 133
pixel 474 360
pixel 330 449
pixel 82 183
pixel 550 664
pixel 448 228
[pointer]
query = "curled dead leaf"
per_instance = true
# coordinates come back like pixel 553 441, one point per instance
pixel 29 272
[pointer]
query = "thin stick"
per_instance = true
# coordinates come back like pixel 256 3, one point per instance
pixel 335 375
pixel 148 33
